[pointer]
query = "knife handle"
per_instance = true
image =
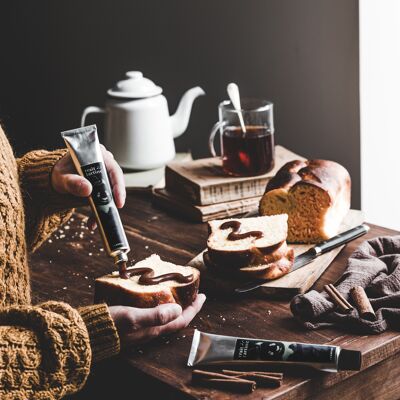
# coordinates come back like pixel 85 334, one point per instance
pixel 341 239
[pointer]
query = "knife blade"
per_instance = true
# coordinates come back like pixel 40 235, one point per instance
pixel 312 253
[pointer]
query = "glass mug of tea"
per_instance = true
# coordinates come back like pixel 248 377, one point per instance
pixel 247 153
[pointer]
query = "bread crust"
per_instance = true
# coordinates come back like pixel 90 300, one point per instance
pixel 273 270
pixel 241 258
pixel 267 270
pixel 233 259
pixel 325 174
pixel 107 290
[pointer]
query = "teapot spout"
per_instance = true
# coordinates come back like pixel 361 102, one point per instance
pixel 180 120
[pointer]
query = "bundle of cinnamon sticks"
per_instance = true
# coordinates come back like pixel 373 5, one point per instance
pixel 239 381
pixel 360 300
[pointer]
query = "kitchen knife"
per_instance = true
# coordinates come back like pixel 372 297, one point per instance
pixel 312 253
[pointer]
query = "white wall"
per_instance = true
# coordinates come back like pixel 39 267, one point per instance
pixel 380 111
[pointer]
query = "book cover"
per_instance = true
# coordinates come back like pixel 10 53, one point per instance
pixel 183 208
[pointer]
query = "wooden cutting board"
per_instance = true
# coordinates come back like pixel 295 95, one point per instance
pixel 289 285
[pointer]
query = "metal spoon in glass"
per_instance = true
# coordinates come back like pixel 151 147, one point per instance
pixel 233 93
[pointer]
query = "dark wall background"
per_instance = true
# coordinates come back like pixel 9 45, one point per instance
pixel 59 56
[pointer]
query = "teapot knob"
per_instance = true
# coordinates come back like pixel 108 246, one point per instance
pixel 134 74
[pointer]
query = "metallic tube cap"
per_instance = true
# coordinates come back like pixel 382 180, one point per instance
pixel 120 257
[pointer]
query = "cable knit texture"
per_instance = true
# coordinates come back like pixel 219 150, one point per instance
pixel 34 170
pixel 46 350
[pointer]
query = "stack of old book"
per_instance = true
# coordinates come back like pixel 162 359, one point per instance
pixel 200 191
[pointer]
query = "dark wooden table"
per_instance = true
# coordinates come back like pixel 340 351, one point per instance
pixel 65 269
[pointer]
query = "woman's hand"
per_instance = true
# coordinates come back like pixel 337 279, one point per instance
pixel 139 325
pixel 65 180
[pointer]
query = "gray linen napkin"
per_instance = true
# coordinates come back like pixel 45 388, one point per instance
pixel 375 266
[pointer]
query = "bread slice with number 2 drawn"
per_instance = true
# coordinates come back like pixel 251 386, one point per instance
pixel 250 250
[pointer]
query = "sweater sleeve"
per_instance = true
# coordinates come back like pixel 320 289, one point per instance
pixel 45 209
pixel 46 351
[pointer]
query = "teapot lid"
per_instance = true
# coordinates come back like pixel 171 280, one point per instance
pixel 134 87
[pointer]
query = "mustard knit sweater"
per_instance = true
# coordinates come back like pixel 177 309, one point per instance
pixel 46 350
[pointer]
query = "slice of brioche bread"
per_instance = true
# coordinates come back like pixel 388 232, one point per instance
pixel 268 270
pixel 114 290
pixel 273 270
pixel 241 253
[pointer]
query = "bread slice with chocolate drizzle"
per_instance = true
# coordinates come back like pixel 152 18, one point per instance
pixel 253 247
pixel 145 290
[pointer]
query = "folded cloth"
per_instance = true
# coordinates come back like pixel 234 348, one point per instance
pixel 375 266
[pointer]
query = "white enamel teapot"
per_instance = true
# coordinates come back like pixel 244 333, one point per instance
pixel 138 129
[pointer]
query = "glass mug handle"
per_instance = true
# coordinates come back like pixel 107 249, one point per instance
pixel 211 139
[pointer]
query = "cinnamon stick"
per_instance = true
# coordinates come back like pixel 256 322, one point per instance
pixel 348 305
pixel 198 374
pixel 222 381
pixel 266 373
pixel 362 303
pixel 263 380
pixel 237 385
pixel 244 381
pixel 338 299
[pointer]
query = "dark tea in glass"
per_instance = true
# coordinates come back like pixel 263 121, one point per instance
pixel 247 154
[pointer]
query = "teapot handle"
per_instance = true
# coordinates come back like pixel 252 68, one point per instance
pixel 90 110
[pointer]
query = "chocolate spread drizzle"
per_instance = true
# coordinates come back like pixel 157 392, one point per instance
pixel 235 226
pixel 147 276
pixel 123 273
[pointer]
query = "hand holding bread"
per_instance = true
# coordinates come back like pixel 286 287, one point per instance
pixel 158 298
pixel 140 325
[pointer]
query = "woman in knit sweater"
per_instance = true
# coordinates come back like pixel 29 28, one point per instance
pixel 46 350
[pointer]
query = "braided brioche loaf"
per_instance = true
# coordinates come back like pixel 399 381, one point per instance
pixel 316 196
